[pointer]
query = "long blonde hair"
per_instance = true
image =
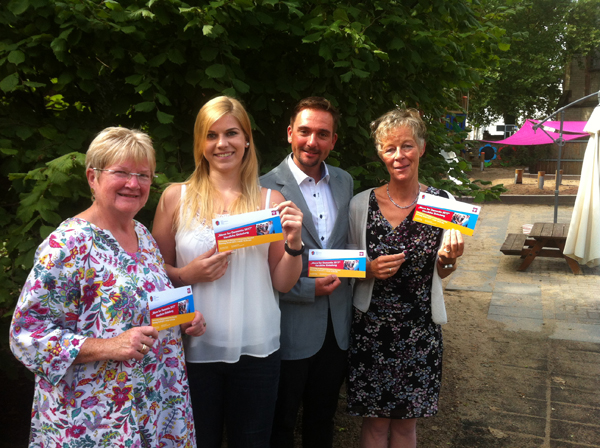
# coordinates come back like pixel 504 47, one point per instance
pixel 202 200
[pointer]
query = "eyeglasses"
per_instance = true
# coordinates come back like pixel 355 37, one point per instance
pixel 392 150
pixel 144 179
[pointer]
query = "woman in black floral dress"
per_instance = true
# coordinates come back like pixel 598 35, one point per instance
pixel 395 351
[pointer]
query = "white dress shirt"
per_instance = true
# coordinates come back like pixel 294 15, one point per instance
pixel 319 200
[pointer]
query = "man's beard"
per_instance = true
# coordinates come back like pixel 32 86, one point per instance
pixel 306 163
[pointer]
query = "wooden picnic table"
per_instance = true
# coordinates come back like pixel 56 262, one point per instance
pixel 544 240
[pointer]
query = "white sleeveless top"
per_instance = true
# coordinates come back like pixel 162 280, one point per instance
pixel 241 308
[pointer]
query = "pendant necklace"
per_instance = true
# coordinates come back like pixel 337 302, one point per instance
pixel 406 206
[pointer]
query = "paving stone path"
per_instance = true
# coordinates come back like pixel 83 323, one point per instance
pixel 561 398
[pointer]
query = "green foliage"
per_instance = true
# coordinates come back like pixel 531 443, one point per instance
pixel 543 36
pixel 70 68
pixel 583 28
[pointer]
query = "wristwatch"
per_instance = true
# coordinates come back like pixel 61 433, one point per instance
pixel 448 266
pixel 292 252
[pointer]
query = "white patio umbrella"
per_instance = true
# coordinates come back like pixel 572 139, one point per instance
pixel 583 241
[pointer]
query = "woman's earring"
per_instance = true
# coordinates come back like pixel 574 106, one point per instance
pixel 247 144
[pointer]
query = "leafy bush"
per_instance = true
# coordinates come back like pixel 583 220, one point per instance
pixel 70 68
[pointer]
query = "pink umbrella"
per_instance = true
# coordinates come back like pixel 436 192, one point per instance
pixel 526 135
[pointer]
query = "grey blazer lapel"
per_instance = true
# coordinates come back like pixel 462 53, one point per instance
pixel 291 191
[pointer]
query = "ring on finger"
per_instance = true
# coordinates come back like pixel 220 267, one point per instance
pixel 446 249
pixel 204 324
pixel 144 350
pixel 390 271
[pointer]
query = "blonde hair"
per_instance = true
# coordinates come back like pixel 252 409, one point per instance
pixel 389 122
pixel 202 200
pixel 114 145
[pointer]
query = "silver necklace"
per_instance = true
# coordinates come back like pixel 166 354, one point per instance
pixel 406 206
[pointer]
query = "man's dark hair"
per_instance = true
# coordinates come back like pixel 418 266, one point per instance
pixel 316 102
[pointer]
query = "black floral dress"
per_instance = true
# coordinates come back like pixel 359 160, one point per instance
pixel 395 355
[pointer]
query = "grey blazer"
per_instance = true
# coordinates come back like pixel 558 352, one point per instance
pixel 304 316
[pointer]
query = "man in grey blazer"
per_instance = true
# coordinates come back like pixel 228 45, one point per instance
pixel 316 313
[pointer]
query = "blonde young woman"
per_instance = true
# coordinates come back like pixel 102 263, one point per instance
pixel 234 367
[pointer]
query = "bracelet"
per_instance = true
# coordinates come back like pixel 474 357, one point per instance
pixel 181 282
pixel 292 252
pixel 446 265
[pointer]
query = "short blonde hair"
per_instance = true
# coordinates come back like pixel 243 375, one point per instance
pixel 116 144
pixel 397 118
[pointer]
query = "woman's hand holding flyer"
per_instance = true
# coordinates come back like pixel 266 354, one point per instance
pixel 291 221
pixel 447 214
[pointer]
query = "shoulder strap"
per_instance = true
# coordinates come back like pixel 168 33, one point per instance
pixel 268 200
pixel 182 195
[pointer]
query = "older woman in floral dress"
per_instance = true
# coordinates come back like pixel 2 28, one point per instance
pixel 103 376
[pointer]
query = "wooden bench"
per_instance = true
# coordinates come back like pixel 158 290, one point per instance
pixel 516 244
pixel 544 240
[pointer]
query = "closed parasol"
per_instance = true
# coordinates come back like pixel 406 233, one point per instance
pixel 583 240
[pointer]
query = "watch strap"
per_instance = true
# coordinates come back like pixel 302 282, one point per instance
pixel 292 252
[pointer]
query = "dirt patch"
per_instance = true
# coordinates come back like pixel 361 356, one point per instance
pixel 506 176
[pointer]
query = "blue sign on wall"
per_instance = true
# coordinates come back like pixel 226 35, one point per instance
pixel 456 122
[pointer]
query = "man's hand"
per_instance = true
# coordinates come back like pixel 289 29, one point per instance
pixel 326 285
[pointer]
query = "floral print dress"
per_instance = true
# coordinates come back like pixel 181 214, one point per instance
pixel 83 284
pixel 395 355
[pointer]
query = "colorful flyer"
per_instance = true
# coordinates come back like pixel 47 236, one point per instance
pixel 446 213
pixel 171 307
pixel 340 262
pixel 247 229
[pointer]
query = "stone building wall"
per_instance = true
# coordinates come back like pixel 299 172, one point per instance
pixel 582 78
